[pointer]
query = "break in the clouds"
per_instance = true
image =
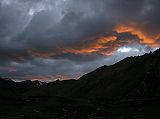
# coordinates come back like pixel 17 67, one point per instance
pixel 50 39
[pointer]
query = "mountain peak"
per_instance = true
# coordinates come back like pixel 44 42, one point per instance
pixel 157 52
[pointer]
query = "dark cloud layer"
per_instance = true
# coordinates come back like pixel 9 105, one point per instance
pixel 49 39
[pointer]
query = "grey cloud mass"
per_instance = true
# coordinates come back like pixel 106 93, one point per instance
pixel 50 39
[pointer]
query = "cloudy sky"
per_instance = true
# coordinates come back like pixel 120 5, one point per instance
pixel 50 39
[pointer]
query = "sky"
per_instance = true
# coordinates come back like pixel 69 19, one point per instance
pixel 65 39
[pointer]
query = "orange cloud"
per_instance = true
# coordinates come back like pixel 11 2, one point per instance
pixel 104 45
pixel 96 46
pixel 42 54
pixel 145 38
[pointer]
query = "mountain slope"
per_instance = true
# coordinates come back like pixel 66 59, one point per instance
pixel 8 89
pixel 133 76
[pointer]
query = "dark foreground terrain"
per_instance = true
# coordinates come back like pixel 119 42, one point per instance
pixel 61 108
pixel 129 89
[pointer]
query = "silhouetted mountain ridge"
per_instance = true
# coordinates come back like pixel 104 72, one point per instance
pixel 137 76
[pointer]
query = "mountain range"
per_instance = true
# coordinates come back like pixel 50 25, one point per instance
pixel 132 77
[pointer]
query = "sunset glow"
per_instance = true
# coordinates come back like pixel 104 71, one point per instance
pixel 146 38
pixel 50 39
pixel 98 45
pixel 41 54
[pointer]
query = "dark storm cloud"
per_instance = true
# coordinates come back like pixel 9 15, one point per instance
pixel 50 39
